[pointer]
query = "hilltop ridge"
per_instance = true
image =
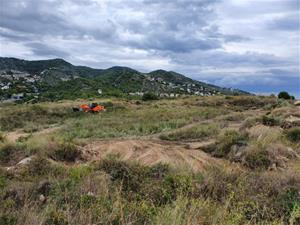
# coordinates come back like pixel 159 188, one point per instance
pixel 59 79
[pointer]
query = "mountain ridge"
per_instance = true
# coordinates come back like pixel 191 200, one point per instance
pixel 55 77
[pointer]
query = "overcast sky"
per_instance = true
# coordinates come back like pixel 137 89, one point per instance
pixel 247 44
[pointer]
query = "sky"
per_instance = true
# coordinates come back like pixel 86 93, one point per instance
pixel 252 45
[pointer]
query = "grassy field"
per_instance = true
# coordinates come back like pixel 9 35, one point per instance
pixel 195 160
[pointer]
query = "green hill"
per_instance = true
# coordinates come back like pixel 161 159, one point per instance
pixel 58 79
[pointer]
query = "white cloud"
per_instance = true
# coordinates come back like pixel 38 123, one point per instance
pixel 215 40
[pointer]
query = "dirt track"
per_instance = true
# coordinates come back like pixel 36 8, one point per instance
pixel 15 135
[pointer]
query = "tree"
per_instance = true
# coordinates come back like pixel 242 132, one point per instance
pixel 285 95
pixel 149 97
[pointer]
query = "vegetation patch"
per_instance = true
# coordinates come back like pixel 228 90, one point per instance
pixel 271 121
pixel 257 159
pixel 11 153
pixel 225 142
pixel 293 134
pixel 65 152
pixel 149 97
pixel 195 132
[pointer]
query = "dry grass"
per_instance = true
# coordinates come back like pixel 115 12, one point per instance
pixel 57 187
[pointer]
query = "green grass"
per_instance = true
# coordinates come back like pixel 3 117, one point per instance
pixel 136 121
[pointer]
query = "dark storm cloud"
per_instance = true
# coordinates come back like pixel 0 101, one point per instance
pixel 45 50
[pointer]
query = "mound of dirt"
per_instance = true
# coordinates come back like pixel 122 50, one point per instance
pixel 150 152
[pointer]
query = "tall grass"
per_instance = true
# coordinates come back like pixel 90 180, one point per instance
pixel 192 133
pixel 115 192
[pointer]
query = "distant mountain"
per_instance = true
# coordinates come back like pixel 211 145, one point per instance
pixel 58 79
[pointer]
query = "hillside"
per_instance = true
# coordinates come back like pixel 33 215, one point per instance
pixel 58 79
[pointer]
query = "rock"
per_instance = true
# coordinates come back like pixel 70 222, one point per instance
pixel 24 161
pixel 90 193
pixel 297 103
pixel 42 198
pixel 291 121
pixel 273 167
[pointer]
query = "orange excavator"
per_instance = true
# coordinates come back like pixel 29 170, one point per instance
pixel 93 108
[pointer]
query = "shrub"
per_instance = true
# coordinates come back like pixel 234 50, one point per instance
pixel 219 183
pixel 65 152
pixel 130 175
pixel 149 97
pixel 271 121
pixel 227 140
pixel 11 153
pixel 285 95
pixel 293 134
pixel 38 166
pixel 257 159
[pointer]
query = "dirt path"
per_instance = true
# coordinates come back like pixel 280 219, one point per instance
pixel 15 135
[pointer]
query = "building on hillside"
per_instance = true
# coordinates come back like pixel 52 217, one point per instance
pixel 17 97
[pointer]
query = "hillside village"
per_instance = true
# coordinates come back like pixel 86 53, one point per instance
pixel 20 84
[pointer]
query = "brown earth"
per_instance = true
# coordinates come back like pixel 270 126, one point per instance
pixel 150 152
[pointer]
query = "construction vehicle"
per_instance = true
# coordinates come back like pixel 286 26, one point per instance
pixel 93 108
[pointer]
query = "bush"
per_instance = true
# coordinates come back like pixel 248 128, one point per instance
pixel 11 153
pixel 271 121
pixel 257 159
pixel 131 175
pixel 293 134
pixel 149 97
pixel 227 140
pixel 38 166
pixel 66 152
pixel 285 95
